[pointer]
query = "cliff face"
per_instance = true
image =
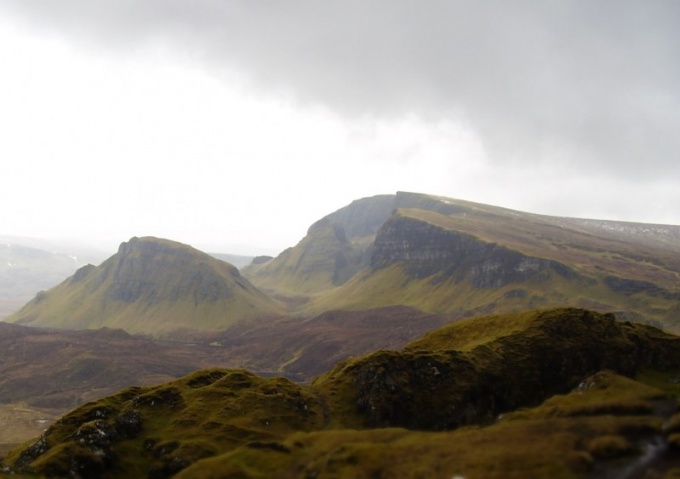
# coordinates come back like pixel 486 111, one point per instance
pixel 141 270
pixel 425 250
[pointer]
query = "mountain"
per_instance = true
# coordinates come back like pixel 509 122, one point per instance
pixel 335 248
pixel 151 286
pixel 451 256
pixel 557 393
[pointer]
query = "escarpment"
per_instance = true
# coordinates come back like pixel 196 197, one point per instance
pixel 425 250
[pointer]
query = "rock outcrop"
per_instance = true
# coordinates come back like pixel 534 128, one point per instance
pixel 445 388
pixel 427 250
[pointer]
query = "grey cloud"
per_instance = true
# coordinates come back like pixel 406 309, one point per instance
pixel 595 82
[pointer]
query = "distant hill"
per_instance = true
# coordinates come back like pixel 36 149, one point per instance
pixel 236 259
pixel 560 393
pixel 462 258
pixel 29 265
pixel 151 286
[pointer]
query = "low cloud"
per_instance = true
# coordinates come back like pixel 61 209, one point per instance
pixel 593 83
pixel 579 88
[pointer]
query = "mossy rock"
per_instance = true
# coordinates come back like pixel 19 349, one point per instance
pixel 609 447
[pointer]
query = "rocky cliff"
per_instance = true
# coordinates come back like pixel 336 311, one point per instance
pixel 427 250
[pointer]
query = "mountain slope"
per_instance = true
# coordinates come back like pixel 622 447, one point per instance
pixel 336 247
pixel 470 259
pixel 324 258
pixel 398 413
pixel 150 286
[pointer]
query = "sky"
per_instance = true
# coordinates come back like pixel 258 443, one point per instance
pixel 234 125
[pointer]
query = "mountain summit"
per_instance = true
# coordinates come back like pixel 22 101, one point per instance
pixel 152 286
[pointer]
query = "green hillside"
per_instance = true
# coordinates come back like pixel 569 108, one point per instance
pixel 151 286
pixel 324 258
pixel 335 248
pixel 559 393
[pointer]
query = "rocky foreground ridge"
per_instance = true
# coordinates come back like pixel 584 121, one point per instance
pixel 557 393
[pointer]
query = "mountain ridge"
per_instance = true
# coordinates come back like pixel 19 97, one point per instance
pixel 441 255
pixel 449 258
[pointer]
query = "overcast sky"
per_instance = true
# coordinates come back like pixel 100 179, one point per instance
pixel 234 125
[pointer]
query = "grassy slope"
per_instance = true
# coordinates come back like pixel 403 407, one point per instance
pixel 20 422
pixel 304 269
pixel 226 423
pixel 323 259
